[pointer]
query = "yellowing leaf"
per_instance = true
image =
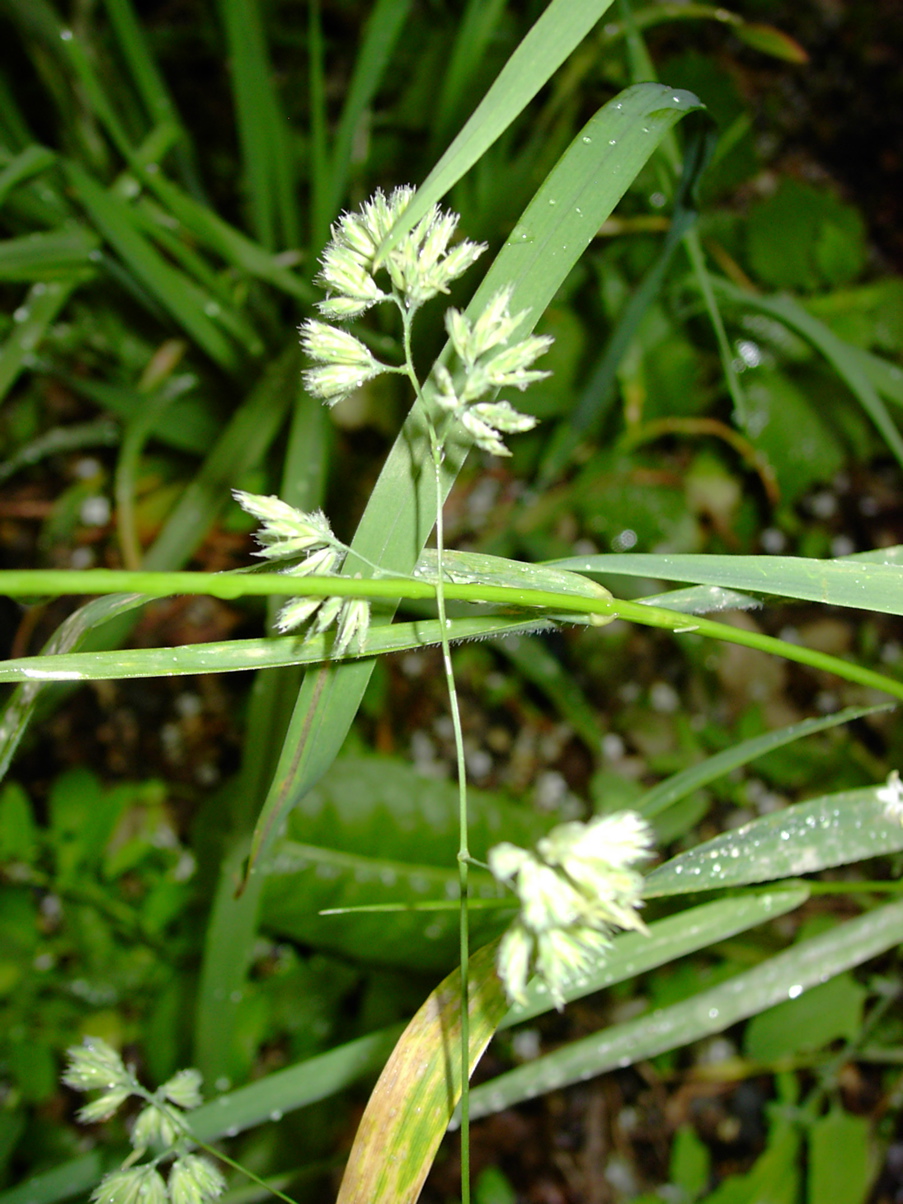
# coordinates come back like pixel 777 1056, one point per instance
pixel 419 1088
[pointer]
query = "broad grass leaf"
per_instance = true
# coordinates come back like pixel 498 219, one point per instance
pixel 415 1098
pixel 874 584
pixel 836 829
pixel 373 831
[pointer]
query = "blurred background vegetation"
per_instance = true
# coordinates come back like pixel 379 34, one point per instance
pixel 168 173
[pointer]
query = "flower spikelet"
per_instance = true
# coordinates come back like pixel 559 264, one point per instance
pixel 489 362
pixel 194 1179
pixel 343 363
pixel 94 1063
pixel 891 794
pixel 419 266
pixel 184 1088
pixel 137 1185
pixel 574 891
pixel 285 534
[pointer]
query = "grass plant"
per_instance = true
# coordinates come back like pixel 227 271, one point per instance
pixel 165 298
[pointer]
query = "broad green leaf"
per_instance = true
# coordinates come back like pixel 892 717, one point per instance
pixel 634 953
pixel 231 656
pixel 848 582
pixel 830 1011
pixel 840 1162
pixel 304 880
pixel 775 1176
pixel 585 185
pixel 836 829
pixel 411 1106
pixel 849 362
pixel 374 831
pixel 784 976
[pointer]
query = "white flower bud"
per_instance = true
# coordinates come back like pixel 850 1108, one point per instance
pixel 329 612
pixel 296 612
pixel 609 840
pixel 482 434
pixel 95 1064
pixel 138 1185
pixel 321 563
pixel 577 889
pixel 353 624
pixel 333 382
pixel 104 1106
pixel 334 346
pixel 286 531
pixel 194 1179
pixel 891 794
pixel 514 956
pixel 503 417
pixel 153 1127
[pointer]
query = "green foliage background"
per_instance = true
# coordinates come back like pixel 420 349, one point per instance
pixel 725 381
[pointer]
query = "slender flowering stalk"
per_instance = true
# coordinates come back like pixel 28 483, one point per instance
pixel 419 266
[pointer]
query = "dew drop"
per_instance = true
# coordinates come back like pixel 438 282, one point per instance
pixel 276 1113
pixel 66 35
pixel 713 1013
pixel 587 139
pixel 612 142
pixel 795 991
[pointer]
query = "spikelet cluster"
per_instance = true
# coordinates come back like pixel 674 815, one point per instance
pixel 308 542
pixel 574 891
pixel 193 1179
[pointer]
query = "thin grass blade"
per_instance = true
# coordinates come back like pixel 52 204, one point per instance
pixel 863 585
pixel 558 31
pixel 784 976
pixel 677 787
pixel 836 829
